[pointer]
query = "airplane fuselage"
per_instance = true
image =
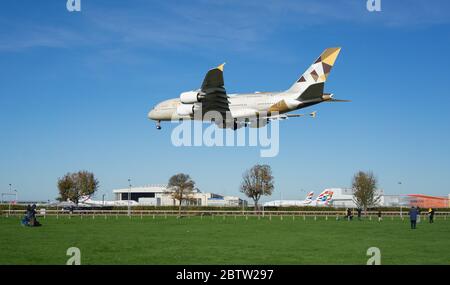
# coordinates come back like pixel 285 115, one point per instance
pixel 241 105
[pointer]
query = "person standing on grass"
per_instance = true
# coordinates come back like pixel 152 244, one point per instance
pixel 379 216
pixel 359 213
pixel 413 217
pixel 26 219
pixel 349 214
pixel 431 215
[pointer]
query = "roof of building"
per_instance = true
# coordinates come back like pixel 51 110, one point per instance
pixel 143 189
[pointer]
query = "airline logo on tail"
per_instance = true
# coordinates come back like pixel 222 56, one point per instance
pixel 317 73
pixel 325 197
pixel 84 199
pixel 309 198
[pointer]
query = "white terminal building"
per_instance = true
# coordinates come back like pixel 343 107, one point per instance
pixel 159 195
pixel 343 198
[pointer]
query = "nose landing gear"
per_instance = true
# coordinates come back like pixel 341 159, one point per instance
pixel 158 125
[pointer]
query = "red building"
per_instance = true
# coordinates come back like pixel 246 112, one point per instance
pixel 425 201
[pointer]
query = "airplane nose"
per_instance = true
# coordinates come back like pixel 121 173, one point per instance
pixel 151 115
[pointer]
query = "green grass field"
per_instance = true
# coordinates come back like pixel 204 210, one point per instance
pixel 222 241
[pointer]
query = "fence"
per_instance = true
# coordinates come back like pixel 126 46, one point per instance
pixel 202 213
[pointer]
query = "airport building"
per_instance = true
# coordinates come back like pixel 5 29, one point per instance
pixel 159 195
pixel 343 198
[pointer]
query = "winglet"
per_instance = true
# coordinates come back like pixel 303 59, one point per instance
pixel 220 67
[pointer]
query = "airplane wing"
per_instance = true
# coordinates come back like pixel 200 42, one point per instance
pixel 215 95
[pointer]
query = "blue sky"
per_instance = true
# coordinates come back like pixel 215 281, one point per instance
pixel 75 89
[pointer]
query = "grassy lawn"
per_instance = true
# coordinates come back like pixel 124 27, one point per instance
pixel 222 241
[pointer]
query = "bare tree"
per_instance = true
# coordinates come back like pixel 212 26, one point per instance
pixel 181 188
pixel 365 194
pixel 257 182
pixel 73 186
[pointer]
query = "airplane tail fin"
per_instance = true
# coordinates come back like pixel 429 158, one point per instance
pixel 309 197
pixel 325 197
pixel 84 198
pixel 310 84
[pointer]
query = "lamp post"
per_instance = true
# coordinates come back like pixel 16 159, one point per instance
pixel 9 192
pixel 401 206
pixel 129 197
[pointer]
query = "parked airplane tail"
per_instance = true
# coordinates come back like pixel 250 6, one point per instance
pixel 309 197
pixel 325 197
pixel 310 84
pixel 84 198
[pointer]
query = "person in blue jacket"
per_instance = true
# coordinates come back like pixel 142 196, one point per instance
pixel 26 218
pixel 413 217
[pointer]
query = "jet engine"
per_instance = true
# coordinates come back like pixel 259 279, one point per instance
pixel 191 97
pixel 186 109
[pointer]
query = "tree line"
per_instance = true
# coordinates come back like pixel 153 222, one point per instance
pixel 256 182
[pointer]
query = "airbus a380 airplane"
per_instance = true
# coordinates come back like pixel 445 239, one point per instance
pixel 256 109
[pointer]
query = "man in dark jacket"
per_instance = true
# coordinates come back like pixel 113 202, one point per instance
pixel 431 215
pixel 349 214
pixel 33 221
pixel 359 210
pixel 413 217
